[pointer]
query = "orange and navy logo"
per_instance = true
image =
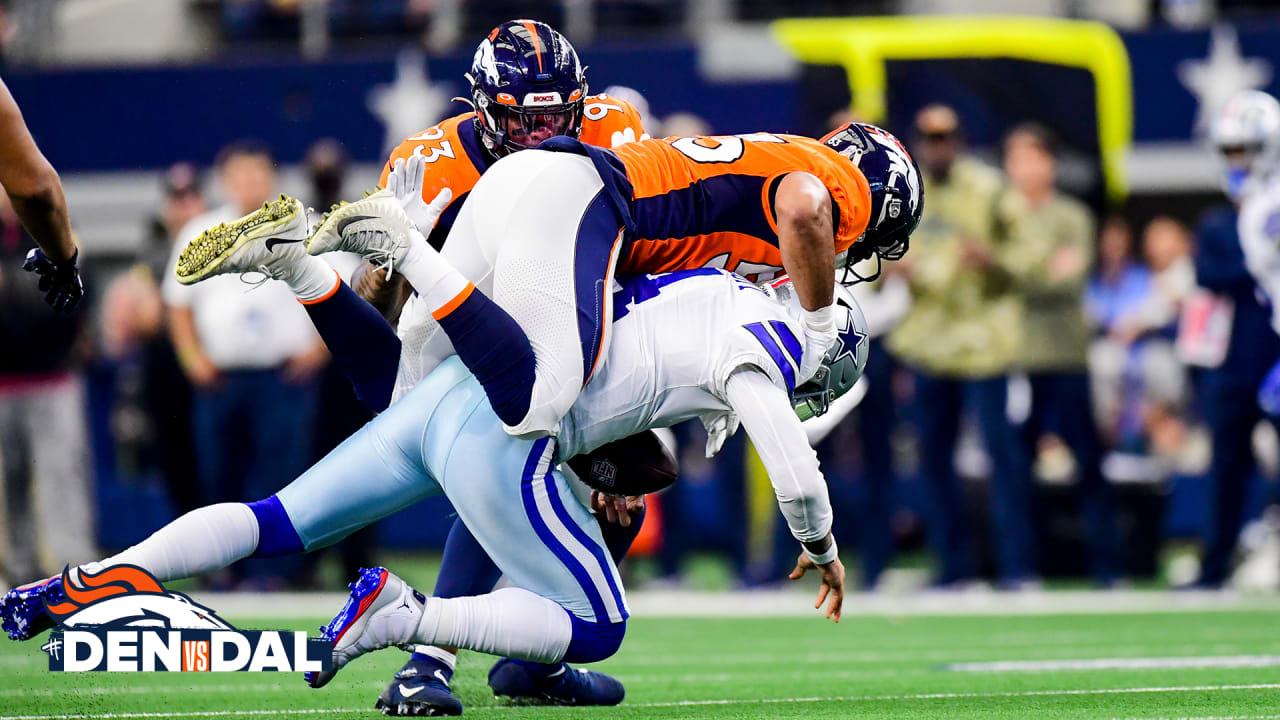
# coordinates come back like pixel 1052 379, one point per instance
pixel 123 619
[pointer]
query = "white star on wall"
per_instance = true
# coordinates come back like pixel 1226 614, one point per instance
pixel 410 103
pixel 1221 75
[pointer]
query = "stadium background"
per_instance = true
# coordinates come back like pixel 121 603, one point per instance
pixel 118 91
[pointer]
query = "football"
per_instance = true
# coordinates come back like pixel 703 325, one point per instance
pixel 636 465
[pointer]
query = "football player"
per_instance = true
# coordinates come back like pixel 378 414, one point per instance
pixel 543 233
pixel 36 193
pixel 1247 138
pixel 526 85
pixel 695 344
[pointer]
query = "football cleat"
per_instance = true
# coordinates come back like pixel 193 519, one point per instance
pixel 566 686
pixel 421 688
pixel 375 226
pixel 260 242
pixel 22 613
pixel 382 611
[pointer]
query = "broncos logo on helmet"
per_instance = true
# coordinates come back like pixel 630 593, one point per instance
pixel 527 85
pixel 897 194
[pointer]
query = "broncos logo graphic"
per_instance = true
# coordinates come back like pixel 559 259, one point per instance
pixel 128 596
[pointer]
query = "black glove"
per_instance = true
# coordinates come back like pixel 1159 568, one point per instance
pixel 60 282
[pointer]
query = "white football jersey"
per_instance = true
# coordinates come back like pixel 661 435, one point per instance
pixel 1259 227
pixel 676 339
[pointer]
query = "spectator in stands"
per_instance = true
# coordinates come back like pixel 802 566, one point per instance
pixel 1049 249
pixel 961 336
pixel 46 506
pixel 1228 388
pixel 1139 381
pixel 250 352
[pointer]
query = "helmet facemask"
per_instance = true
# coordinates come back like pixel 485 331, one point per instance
pixel 506 127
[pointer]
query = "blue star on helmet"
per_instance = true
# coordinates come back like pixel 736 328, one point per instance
pixel 841 348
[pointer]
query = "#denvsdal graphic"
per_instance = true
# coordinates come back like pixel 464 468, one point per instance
pixel 123 620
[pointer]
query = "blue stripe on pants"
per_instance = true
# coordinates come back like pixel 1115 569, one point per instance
pixel 529 476
pixel 596 551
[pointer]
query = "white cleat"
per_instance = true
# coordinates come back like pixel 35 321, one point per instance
pixel 264 241
pixel 382 611
pixel 376 227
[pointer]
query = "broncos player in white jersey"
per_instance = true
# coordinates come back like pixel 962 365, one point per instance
pixel 693 344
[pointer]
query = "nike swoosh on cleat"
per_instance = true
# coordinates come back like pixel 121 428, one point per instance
pixel 344 222
pixel 443 679
pixel 407 691
pixel 272 242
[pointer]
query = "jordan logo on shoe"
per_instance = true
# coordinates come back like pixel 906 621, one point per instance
pixel 272 242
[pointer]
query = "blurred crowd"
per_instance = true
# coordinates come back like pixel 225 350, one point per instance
pixel 1035 379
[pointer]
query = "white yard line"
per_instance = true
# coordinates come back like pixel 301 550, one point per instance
pixel 1148 663
pixel 693 703
pixel 795 603
pixel 1207 717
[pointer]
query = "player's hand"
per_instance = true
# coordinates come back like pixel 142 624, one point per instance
pixel 616 508
pixel 832 588
pixel 820 334
pixel 60 282
pixel 405 182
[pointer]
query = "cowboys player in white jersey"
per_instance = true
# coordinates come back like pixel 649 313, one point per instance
pixel 1246 136
pixel 693 344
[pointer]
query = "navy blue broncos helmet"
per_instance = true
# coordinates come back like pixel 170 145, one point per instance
pixel 897 196
pixel 527 85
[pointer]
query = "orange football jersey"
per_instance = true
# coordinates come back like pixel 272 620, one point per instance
pixel 456 159
pixel 708 201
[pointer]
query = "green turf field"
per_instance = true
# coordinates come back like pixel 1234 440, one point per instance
pixel 866 667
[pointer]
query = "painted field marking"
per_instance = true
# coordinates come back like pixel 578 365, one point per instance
pixel 1153 663
pixel 688 703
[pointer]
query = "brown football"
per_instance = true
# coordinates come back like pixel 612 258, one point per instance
pixel 636 465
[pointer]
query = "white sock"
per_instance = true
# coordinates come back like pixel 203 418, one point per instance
pixel 435 279
pixel 311 278
pixel 201 541
pixel 510 622
pixel 439 653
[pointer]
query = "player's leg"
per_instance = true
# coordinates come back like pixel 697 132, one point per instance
pixel 551 233
pixel 566 602
pixel 271 241
pixel 371 475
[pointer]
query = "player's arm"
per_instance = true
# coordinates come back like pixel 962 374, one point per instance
pixel 36 193
pixel 806 239
pixel 779 439
pixel 32 184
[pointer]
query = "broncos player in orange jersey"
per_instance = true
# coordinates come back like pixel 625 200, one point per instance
pixel 544 232
pixel 527 85
pixel 460 149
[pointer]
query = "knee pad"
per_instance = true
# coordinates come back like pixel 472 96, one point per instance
pixel 592 641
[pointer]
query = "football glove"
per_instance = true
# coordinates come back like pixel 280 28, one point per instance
pixel 820 334
pixel 60 282
pixel 405 182
pixel 720 427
